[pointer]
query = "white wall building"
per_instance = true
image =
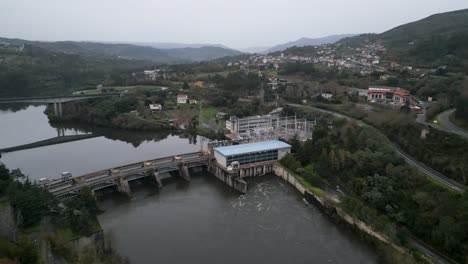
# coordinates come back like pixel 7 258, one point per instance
pixel 182 99
pixel 251 154
pixel 155 107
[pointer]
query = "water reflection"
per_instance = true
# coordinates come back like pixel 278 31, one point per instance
pixel 113 148
pixel 13 107
pixel 136 138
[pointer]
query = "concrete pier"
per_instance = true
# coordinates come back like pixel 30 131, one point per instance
pixel 124 187
pixel 158 179
pixel 256 170
pixel 60 109
pixel 184 172
pixel 231 179
pixel 55 109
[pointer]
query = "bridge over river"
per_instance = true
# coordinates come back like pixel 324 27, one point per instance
pixel 122 175
pixel 56 100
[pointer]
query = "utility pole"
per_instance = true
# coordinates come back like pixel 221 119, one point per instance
pixel 200 113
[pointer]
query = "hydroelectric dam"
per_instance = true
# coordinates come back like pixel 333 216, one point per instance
pixel 229 164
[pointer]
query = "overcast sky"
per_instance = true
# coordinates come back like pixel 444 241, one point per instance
pixel 235 23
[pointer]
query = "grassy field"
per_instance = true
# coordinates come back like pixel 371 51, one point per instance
pixel 208 114
pixel 142 88
pixel 305 183
pixel 184 114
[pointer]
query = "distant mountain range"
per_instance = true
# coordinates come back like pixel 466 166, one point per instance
pixel 163 52
pixel 440 38
pixel 166 45
pixel 131 51
pixel 256 50
pixel 299 43
pixel 309 42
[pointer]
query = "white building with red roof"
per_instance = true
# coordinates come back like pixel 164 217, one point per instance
pixel 383 94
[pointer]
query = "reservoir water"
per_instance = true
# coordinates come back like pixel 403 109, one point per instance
pixel 202 221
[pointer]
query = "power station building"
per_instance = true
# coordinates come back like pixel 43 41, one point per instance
pixel 269 127
pixel 251 159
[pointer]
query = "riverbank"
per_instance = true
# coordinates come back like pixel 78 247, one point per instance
pixel 96 248
pixel 330 205
pixel 126 113
pixel 35 226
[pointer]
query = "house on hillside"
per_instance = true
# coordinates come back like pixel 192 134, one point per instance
pixel 193 101
pixel 152 75
pixel 155 107
pixel 327 96
pixel 221 115
pixel 381 94
pixel 199 84
pixel 182 99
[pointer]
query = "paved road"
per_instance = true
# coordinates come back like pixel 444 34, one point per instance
pixel 444 119
pixel 429 171
pixel 410 160
pixel 437 258
pixel 422 247
pixel 445 124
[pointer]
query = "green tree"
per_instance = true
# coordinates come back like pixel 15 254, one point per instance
pixel 290 162
pixel 311 175
pixel 26 251
pixel 333 161
pixel 5 179
pixel 462 103
pixel 87 200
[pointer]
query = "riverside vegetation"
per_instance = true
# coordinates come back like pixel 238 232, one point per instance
pixel 441 151
pixel 382 189
pixel 31 216
pixel 131 110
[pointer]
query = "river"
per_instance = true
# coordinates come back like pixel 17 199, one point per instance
pixel 198 222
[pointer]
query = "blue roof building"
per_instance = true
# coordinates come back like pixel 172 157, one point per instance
pixel 251 154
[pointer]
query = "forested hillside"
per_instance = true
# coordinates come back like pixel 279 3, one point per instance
pixel 35 71
pixel 440 39
pixel 435 41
